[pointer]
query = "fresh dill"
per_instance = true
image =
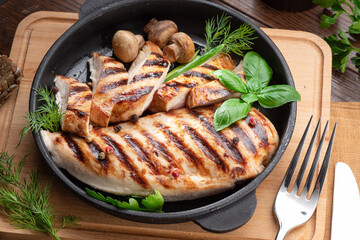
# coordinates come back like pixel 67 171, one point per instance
pixel 218 32
pixel 47 116
pixel 26 203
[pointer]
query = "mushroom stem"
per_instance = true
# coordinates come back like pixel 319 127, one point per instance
pixel 140 40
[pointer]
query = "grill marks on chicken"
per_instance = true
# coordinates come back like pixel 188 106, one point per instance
pixel 146 74
pixel 74 101
pixel 172 94
pixel 178 153
pixel 213 92
pixel 109 78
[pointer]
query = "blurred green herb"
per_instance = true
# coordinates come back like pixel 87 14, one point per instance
pixel 47 116
pixel 152 203
pixel 26 203
pixel 339 43
pixel 341 49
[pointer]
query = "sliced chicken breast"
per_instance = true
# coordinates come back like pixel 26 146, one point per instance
pixel 173 94
pixel 146 74
pixel 109 79
pixel 74 101
pixel 213 92
pixel 178 153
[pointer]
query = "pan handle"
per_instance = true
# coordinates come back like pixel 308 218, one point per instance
pixel 90 6
pixel 230 218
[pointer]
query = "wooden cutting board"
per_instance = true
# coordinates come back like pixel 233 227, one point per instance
pixel 309 58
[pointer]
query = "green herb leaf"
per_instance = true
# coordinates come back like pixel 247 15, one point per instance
pixel 215 29
pixel 356 61
pixel 229 112
pixel 324 3
pixel 327 21
pixel 253 84
pixel 230 80
pixel 47 116
pixel 249 98
pixel 355 28
pixel 26 203
pixel 256 66
pixel 341 49
pixel 152 203
pixel 218 31
pixel 277 95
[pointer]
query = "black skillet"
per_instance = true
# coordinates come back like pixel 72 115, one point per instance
pixel 93 32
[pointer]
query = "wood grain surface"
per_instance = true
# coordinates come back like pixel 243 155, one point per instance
pixel 309 60
pixel 345 86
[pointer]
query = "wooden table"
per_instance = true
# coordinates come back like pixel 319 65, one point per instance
pixel 345 87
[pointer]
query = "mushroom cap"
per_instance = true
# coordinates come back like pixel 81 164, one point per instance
pixel 125 45
pixel 161 32
pixel 181 48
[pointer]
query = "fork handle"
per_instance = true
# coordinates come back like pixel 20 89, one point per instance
pixel 282 232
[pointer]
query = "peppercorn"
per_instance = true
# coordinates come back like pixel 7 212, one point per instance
pixel 235 140
pixel 102 155
pixel 134 118
pixel 117 128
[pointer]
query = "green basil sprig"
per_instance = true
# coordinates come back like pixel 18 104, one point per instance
pixel 258 75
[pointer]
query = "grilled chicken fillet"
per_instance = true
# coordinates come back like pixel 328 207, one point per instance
pixel 146 74
pixel 173 94
pixel 109 78
pixel 178 153
pixel 74 101
pixel 213 92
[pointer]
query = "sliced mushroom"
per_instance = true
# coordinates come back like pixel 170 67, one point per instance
pixel 160 32
pixel 181 48
pixel 126 45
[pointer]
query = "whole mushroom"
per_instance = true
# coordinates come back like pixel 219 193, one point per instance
pixel 126 45
pixel 160 32
pixel 181 48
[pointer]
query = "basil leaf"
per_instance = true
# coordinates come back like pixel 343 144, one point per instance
pixel 277 95
pixel 253 84
pixel 249 97
pixel 255 66
pixel 229 112
pixel 230 80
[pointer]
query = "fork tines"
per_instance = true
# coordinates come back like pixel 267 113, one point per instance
pixel 321 177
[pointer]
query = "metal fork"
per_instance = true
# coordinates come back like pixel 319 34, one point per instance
pixel 293 210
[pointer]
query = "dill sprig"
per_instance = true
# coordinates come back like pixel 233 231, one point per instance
pixel 26 203
pixel 218 32
pixel 47 116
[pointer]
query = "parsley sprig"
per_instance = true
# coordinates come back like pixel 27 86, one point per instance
pixel 152 203
pixel 339 43
pixel 26 203
pixel 341 49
